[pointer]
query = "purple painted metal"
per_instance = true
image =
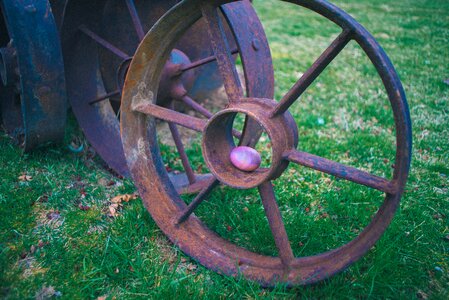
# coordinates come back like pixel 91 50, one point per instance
pixel 100 36
pixel 32 97
pixel 139 135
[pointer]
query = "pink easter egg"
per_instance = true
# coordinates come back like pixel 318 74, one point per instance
pixel 245 158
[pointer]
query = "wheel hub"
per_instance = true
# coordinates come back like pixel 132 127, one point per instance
pixel 174 84
pixel 218 142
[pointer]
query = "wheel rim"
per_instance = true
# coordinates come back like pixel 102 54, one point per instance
pixel 98 117
pixel 163 202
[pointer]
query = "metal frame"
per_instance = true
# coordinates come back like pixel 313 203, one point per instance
pixel 33 98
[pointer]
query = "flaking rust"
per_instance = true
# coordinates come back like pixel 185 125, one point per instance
pixel 142 96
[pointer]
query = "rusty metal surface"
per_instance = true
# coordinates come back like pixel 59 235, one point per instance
pixel 33 95
pixel 139 135
pixel 99 40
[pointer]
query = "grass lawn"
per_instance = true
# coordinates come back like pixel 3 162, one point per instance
pixel 58 238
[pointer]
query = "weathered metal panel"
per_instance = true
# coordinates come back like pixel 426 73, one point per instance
pixel 40 78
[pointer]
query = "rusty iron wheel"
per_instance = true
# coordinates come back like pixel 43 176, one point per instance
pixel 177 219
pixel 99 40
pixel 32 84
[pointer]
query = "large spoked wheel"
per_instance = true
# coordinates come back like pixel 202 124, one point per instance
pixel 32 84
pixel 177 219
pixel 99 40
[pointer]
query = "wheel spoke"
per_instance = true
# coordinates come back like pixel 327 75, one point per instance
pixel 105 97
pixel 341 171
pixel 197 201
pixel 171 116
pixel 222 52
pixel 196 106
pixel 103 42
pixel 202 62
pixel 135 18
pixel 276 224
pixel 313 72
pixel 182 153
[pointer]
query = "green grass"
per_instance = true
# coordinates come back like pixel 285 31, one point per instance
pixel 344 116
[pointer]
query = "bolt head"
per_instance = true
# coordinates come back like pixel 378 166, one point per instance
pixel 256 44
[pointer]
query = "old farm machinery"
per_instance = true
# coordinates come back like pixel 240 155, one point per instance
pixel 132 65
pixel 32 85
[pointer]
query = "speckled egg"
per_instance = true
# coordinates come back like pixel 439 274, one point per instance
pixel 245 158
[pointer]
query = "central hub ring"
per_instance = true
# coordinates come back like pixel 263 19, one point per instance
pixel 218 142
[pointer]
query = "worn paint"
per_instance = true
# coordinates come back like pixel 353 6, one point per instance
pixel 34 108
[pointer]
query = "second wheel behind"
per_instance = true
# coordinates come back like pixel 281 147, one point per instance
pixel 99 41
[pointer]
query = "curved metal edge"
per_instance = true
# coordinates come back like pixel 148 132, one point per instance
pixel 58 8
pixel 253 49
pixel 98 122
pixel 43 93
